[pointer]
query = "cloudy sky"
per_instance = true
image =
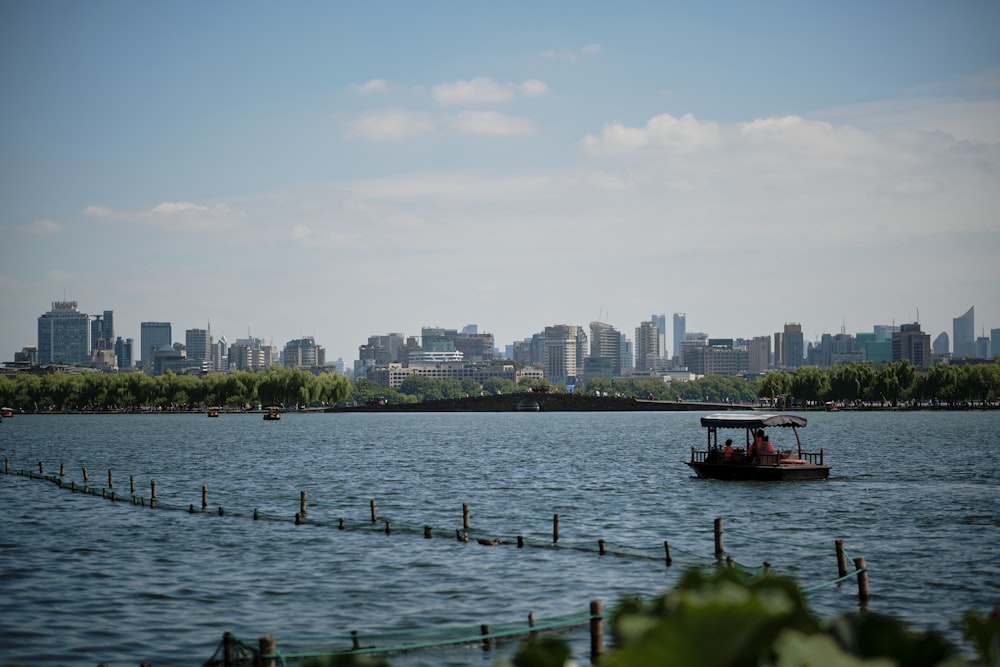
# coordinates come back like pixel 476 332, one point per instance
pixel 340 170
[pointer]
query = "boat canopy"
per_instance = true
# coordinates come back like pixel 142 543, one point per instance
pixel 750 420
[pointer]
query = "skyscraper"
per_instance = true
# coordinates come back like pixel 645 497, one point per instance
pixel 912 344
pixel 123 351
pixel 63 335
pixel 153 336
pixel 606 343
pixel 661 323
pixel 680 332
pixel 102 331
pixel 941 345
pixel 561 353
pixel 647 346
pixel 198 344
pixel 964 334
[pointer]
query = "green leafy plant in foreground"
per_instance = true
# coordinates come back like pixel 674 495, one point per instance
pixel 722 620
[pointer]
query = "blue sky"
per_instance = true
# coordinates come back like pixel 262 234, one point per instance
pixel 347 169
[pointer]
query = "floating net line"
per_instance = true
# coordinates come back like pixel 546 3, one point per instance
pixel 236 650
pixel 304 648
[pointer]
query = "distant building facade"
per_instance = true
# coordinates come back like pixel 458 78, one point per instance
pixel 153 336
pixel 680 332
pixel 963 334
pixel 913 345
pixel 64 335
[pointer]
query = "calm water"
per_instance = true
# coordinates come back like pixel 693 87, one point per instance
pixel 86 581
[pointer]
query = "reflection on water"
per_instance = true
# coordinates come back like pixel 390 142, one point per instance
pixel 87 580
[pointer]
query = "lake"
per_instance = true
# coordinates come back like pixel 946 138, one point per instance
pixel 85 580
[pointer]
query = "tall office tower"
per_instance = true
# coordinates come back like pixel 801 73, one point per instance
pixel 627 354
pixel 63 335
pixel 963 334
pixel 102 331
pixel 912 344
pixel 561 348
pixel 153 336
pixel 758 354
pixel 647 346
pixel 123 351
pixel 198 344
pixel 661 324
pixel 680 332
pixel 792 346
pixel 606 343
pixel 884 331
pixel 940 345
pixel 304 353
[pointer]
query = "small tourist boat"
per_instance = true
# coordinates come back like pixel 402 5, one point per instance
pixel 743 463
pixel 6 412
pixel 213 412
pixel 272 414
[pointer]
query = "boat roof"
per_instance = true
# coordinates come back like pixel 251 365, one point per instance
pixel 751 420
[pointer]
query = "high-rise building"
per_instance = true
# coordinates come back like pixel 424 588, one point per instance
pixel 912 344
pixel 198 344
pixel 153 336
pixel 680 332
pixel 941 344
pixel 994 342
pixel 758 354
pixel 964 334
pixel 606 343
pixel 64 335
pixel 124 351
pixel 661 324
pixel 562 353
pixel 647 346
pixel 304 353
pixel 102 331
pixel 792 346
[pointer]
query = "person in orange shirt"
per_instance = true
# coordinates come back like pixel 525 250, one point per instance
pixel 765 446
pixel 727 451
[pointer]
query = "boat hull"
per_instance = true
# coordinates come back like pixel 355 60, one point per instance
pixel 765 473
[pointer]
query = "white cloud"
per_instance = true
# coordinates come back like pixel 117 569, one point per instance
pixel 534 88
pixel 173 215
pixel 491 122
pixel 391 125
pixel 380 86
pixel 41 227
pixel 480 90
pixel 661 133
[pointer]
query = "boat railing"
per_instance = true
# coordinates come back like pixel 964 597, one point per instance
pixel 813 457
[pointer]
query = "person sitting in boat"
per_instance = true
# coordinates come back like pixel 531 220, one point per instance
pixel 727 451
pixel 758 440
pixel 765 446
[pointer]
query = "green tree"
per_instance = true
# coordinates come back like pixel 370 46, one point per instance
pixel 775 384
pixel 810 384
pixel 499 385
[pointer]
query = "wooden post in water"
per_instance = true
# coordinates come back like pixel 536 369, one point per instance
pixel 355 644
pixel 841 558
pixel 596 631
pixel 531 624
pixel 40 468
pixel 484 629
pixel 152 493
pixel 465 516
pixel 374 514
pixel 767 569
pixel 719 549
pixel 256 514
pixel 268 648
pixel 859 565
pixel 427 532
pixel 204 497
pixel 555 528
pixel 729 562
pixel 520 541
pixel 388 529
pixel 131 484
pixel 600 547
pixel 302 503
pixel 229 650
pixel 85 478
pixel 666 552
pixel 111 481
pixel 62 469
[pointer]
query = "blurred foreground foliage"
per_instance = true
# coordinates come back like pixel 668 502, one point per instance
pixel 721 619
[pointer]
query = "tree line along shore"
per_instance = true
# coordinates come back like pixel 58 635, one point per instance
pixel 857 386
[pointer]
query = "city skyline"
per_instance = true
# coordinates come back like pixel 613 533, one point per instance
pixel 163 334
pixel 341 171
